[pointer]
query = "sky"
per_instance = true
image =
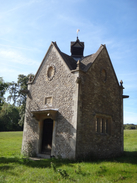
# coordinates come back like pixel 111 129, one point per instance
pixel 27 28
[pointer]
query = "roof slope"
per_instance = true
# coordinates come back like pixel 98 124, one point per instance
pixel 86 61
pixel 71 63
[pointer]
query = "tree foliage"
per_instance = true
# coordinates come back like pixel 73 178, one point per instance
pixel 3 87
pixel 9 117
pixel 15 90
pixel 17 96
pixel 130 126
pixel 12 115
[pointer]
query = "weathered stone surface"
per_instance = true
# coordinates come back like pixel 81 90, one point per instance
pixel 74 100
pixel 61 88
pixel 104 98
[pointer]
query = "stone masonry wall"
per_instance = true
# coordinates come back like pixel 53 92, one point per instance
pixel 61 88
pixel 99 97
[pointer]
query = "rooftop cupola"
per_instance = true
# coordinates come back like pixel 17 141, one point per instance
pixel 77 49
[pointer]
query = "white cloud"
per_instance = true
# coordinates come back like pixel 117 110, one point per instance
pixel 9 74
pixel 14 62
pixel 15 57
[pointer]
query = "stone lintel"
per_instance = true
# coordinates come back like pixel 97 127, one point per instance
pixel 45 113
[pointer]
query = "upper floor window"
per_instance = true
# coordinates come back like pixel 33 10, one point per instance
pixel 50 72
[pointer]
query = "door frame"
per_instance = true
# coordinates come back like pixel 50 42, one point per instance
pixel 41 134
pixel 39 116
pixel 47 135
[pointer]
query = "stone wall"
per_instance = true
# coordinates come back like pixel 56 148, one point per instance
pixel 100 94
pixel 61 90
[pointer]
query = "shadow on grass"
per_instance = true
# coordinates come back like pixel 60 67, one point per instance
pixel 5 167
pixel 43 163
pixel 127 157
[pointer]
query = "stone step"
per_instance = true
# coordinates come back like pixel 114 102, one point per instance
pixel 45 156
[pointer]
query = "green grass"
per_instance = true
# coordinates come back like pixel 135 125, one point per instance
pixel 10 143
pixel 130 140
pixel 15 168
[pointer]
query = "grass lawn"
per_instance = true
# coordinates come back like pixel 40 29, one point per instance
pixel 15 168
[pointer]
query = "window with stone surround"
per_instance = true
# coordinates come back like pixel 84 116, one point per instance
pixel 50 72
pixel 103 124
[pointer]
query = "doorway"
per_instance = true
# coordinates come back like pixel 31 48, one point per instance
pixel 47 136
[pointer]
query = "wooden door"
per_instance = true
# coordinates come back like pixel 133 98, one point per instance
pixel 47 136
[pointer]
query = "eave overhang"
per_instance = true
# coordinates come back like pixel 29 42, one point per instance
pixel 45 113
pixel 125 96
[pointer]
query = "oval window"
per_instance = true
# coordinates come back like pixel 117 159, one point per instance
pixel 50 72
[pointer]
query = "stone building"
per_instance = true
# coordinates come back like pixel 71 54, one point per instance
pixel 74 106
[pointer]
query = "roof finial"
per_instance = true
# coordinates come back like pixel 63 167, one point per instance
pixel 77 32
pixel 121 83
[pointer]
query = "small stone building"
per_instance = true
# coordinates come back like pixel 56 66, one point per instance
pixel 74 106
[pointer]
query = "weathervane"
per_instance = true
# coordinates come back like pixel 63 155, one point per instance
pixel 77 32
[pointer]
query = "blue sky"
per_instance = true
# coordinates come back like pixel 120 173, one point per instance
pixel 27 28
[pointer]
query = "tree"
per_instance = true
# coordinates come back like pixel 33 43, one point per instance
pixel 13 92
pixel 3 87
pixel 9 117
pixel 130 126
pixel 19 97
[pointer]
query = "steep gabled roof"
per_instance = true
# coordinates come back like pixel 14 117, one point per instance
pixel 71 63
pixel 89 60
pixel 86 61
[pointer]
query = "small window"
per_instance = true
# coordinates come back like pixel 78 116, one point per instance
pixel 103 124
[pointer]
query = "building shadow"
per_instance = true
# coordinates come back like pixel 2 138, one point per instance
pixel 127 157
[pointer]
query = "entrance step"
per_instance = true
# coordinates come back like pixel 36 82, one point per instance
pixel 45 156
